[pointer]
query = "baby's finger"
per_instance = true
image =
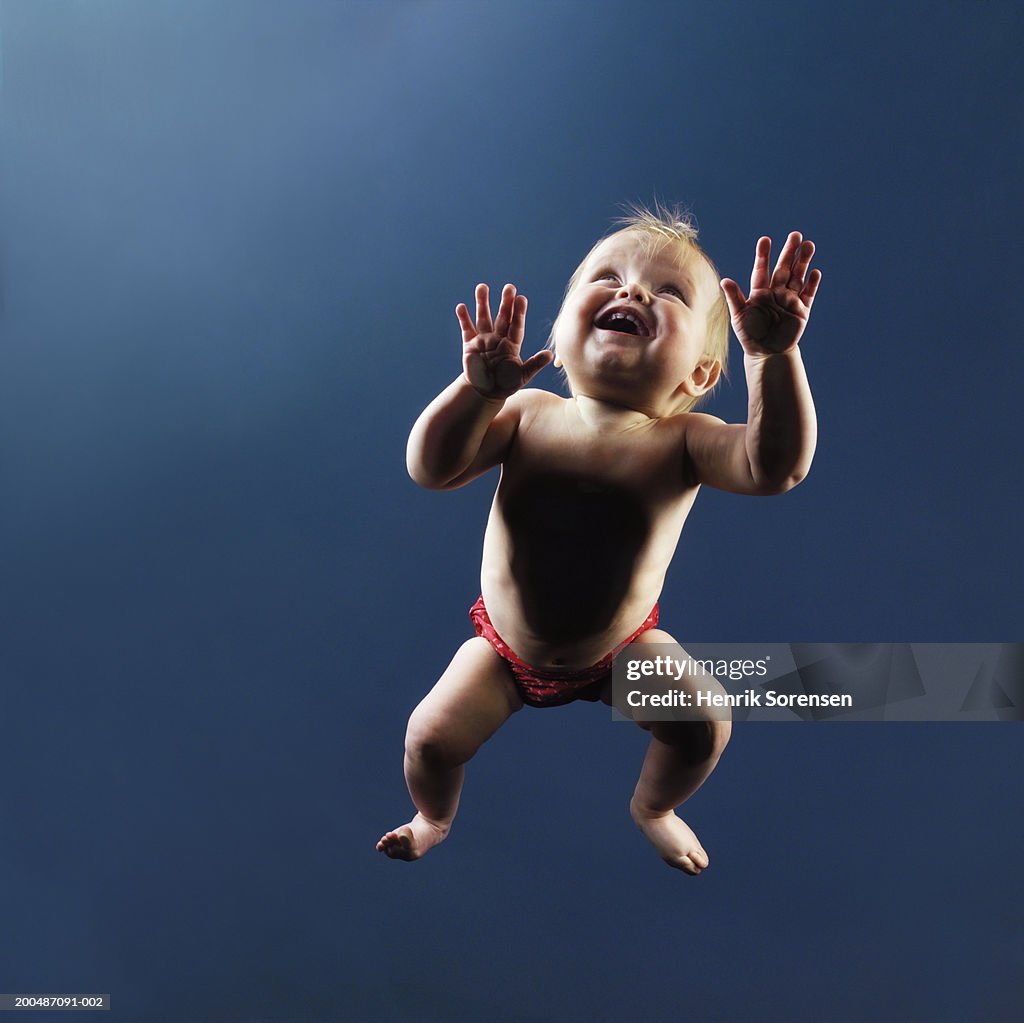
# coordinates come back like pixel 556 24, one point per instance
pixel 517 329
pixel 800 264
pixel 535 363
pixel 734 298
pixel 468 330
pixel 762 253
pixel 810 289
pixel 483 310
pixel 508 296
pixel 783 268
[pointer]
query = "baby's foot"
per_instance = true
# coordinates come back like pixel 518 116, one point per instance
pixel 674 840
pixel 412 840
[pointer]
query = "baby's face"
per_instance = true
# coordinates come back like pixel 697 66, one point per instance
pixel 633 330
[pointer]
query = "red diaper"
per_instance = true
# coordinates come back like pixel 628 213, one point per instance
pixel 553 687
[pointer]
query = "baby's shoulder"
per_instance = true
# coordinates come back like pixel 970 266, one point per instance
pixel 538 396
pixel 532 402
pixel 664 427
pixel 684 423
pixel 685 431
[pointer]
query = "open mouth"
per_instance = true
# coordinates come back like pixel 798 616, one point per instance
pixel 622 323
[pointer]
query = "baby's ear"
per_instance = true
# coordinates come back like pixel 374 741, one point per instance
pixel 704 376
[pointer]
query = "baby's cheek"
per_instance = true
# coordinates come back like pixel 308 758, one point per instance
pixel 584 319
pixel 570 325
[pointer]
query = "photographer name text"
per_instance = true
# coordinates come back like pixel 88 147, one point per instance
pixel 748 698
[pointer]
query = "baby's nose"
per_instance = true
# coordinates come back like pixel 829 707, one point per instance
pixel 633 291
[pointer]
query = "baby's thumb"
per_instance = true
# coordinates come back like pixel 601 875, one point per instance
pixel 733 295
pixel 535 364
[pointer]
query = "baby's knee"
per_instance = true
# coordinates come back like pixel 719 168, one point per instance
pixel 699 741
pixel 434 742
pixel 722 733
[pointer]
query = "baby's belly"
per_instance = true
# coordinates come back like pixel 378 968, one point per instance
pixel 568 569
pixel 560 640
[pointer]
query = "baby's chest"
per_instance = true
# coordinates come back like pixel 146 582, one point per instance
pixel 615 466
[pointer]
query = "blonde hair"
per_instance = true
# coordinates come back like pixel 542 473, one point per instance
pixel 658 226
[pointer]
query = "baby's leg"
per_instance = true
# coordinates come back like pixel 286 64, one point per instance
pixel 680 757
pixel 472 699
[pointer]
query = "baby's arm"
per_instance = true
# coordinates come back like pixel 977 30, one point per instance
pixel 772 452
pixel 468 427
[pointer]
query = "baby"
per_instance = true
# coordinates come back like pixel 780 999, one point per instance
pixel 594 491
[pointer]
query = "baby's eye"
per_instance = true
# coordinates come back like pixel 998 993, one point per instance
pixel 674 291
pixel 607 275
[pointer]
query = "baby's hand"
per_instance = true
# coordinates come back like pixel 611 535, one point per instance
pixel 490 352
pixel 773 318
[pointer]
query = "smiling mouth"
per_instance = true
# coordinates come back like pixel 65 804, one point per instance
pixel 622 323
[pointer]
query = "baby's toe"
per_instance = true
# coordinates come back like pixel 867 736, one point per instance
pixel 688 866
pixel 388 841
pixel 400 847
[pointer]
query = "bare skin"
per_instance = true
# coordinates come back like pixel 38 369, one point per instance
pixel 594 492
pixel 477 692
pixel 411 840
pixel 470 702
pixel 681 755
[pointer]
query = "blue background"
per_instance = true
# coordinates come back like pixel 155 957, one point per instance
pixel 233 238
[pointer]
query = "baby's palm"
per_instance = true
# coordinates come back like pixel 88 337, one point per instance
pixel 773 318
pixel 490 351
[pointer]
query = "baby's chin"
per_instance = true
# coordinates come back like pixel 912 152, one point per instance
pixel 612 378
pixel 616 364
